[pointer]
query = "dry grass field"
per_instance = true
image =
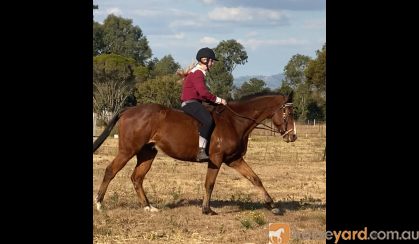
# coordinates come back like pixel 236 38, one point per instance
pixel 294 174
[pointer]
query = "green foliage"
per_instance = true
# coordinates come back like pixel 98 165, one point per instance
pixel 294 70
pixel 231 53
pixel 316 71
pixel 141 73
pixel 285 88
pixel 165 66
pixel 252 86
pixel 118 35
pixel 246 223
pixel 302 94
pixel 314 111
pixel 220 81
pixel 254 216
pixel 113 81
pixel 113 67
pixel 163 90
pixel 98 44
pixel 307 78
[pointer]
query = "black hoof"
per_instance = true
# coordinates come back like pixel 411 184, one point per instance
pixel 277 211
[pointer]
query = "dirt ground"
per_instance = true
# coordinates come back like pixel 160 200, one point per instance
pixel 297 183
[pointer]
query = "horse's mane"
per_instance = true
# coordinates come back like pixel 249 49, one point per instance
pixel 254 95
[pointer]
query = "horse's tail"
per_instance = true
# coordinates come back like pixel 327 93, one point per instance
pixel 107 130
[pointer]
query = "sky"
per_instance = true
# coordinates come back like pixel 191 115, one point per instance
pixel 271 31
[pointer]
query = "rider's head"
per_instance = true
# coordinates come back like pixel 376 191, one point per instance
pixel 206 56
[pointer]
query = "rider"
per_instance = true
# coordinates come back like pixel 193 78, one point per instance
pixel 194 92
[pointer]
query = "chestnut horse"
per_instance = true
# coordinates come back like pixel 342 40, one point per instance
pixel 145 127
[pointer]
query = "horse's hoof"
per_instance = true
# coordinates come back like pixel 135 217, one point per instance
pixel 208 211
pixel 99 206
pixel 277 211
pixel 150 209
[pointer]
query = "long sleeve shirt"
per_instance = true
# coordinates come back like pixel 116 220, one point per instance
pixel 194 87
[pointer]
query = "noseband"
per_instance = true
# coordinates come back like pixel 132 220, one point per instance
pixel 285 119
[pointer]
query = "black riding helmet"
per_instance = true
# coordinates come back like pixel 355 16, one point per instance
pixel 205 53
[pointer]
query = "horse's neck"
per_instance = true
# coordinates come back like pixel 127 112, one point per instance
pixel 257 111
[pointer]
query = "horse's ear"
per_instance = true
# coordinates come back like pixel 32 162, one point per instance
pixel 290 97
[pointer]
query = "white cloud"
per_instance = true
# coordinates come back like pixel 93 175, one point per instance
pixel 279 4
pixel 114 11
pixel 229 14
pixel 148 13
pixel 206 40
pixel 179 36
pixel 245 14
pixel 255 43
pixel 208 1
pixel 184 24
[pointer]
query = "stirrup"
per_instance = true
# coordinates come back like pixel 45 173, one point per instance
pixel 202 156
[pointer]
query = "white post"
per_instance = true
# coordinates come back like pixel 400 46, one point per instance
pixel 314 123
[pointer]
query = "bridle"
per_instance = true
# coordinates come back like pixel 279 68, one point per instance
pixel 285 117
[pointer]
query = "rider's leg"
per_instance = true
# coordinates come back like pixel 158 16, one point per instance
pixel 198 111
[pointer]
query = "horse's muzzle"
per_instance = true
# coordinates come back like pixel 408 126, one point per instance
pixel 291 137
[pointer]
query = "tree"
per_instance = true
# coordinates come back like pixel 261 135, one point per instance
pixel 316 71
pixel 230 54
pixel 108 97
pixel 252 86
pixel 284 89
pixel 220 81
pixel 98 44
pixel 165 66
pixel 121 37
pixel 113 82
pixel 294 70
pixel 295 79
pixel 301 97
pixel 163 90
pixel 314 111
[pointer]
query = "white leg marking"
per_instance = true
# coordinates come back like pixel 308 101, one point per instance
pixel 150 209
pixel 99 206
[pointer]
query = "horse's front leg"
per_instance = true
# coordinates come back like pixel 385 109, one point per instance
pixel 212 173
pixel 244 169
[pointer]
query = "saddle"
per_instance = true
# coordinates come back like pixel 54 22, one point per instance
pixel 214 108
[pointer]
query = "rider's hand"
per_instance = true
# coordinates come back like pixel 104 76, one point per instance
pixel 220 100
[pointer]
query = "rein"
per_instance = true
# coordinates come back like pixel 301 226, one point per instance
pixel 269 128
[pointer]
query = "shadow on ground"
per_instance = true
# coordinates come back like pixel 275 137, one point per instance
pixel 248 205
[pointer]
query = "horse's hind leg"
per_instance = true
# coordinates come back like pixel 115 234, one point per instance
pixel 144 160
pixel 113 168
pixel 244 169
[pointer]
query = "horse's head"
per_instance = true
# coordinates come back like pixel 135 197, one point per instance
pixel 283 119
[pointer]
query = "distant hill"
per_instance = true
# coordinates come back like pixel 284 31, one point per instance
pixel 272 81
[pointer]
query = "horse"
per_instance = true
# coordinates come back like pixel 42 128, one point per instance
pixel 145 128
pixel 276 234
